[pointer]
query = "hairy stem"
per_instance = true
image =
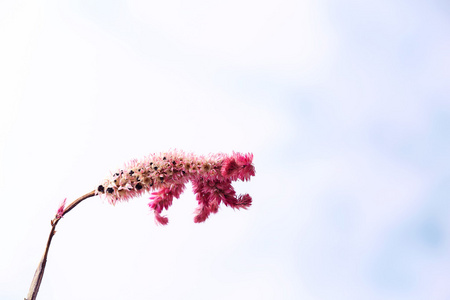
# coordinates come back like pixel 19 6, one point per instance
pixel 37 279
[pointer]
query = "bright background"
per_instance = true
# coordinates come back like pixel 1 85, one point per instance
pixel 345 105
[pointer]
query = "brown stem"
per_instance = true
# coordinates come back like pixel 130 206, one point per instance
pixel 37 279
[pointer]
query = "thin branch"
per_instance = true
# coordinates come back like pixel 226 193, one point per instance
pixel 37 279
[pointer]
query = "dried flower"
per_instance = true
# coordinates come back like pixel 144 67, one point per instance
pixel 167 173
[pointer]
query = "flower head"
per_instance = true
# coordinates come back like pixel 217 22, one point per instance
pixel 167 173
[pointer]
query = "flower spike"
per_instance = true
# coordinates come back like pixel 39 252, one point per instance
pixel 166 174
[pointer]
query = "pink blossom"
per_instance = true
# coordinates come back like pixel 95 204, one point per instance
pixel 167 173
pixel 163 220
pixel 238 166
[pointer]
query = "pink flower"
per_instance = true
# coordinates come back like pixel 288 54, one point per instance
pixel 167 173
pixel 60 211
pixel 161 219
pixel 244 201
pixel 238 166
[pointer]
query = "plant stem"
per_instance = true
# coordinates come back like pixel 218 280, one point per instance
pixel 37 279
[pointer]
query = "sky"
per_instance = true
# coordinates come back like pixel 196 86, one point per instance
pixel 344 104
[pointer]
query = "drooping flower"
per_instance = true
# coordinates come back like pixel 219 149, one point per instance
pixel 167 173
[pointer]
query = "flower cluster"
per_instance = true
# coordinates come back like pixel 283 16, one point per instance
pixel 167 173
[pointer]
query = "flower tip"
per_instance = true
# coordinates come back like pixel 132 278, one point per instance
pixel 244 201
pixel 238 166
pixel 202 215
pixel 199 219
pixel 161 220
pixel 60 211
